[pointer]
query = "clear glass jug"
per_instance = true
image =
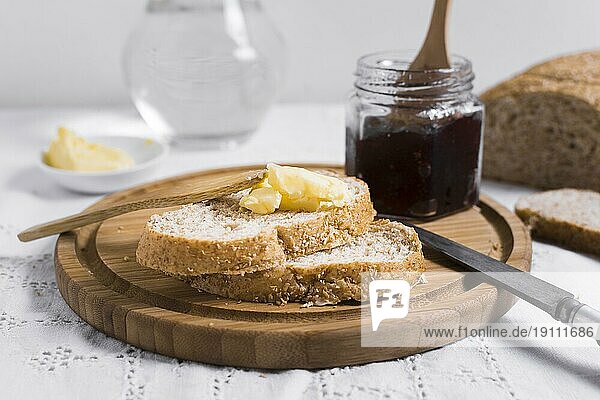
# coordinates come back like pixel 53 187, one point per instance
pixel 204 71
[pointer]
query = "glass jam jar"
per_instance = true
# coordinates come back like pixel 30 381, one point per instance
pixel 415 137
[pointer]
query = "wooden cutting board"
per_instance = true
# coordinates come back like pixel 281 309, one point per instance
pixel 99 278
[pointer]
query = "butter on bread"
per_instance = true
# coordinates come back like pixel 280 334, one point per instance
pixel 71 152
pixel 220 236
pixel 261 200
pixel 295 189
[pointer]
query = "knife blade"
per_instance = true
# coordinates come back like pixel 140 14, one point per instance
pixel 557 302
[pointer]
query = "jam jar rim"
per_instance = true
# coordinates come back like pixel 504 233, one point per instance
pixel 388 73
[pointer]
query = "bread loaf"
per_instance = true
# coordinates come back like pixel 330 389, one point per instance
pixel 543 126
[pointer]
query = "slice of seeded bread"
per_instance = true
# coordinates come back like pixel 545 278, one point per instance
pixel 328 276
pixel 569 217
pixel 219 236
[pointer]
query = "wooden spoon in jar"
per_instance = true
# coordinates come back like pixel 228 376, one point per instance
pixel 433 53
pixel 210 189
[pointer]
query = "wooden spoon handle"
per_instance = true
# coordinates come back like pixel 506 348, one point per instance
pixel 433 53
pixel 210 190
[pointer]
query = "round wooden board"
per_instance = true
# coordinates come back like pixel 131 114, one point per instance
pixel 99 278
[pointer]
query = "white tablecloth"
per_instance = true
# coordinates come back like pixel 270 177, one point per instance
pixel 46 351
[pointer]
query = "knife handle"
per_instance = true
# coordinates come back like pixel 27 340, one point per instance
pixel 575 312
pixel 587 315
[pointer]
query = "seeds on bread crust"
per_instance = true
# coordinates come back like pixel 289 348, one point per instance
pixel 329 276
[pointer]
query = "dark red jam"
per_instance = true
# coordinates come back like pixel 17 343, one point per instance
pixel 418 171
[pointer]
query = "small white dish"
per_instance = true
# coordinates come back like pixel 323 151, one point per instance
pixel 146 153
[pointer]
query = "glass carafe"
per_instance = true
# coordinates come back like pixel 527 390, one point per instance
pixel 204 71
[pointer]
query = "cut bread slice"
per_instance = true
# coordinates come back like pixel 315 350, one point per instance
pixel 219 236
pixel 569 217
pixel 329 276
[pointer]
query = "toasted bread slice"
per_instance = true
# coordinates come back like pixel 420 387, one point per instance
pixel 328 276
pixel 569 217
pixel 219 236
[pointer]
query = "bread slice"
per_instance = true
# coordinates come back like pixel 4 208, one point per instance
pixel 329 276
pixel 568 217
pixel 542 126
pixel 219 236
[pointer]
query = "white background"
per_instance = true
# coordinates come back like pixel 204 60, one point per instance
pixel 67 52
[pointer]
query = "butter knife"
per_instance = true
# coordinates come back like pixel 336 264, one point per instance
pixel 557 302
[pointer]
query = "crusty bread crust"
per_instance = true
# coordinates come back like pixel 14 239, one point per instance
pixel 542 125
pixel 178 255
pixel 547 222
pixel 318 284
